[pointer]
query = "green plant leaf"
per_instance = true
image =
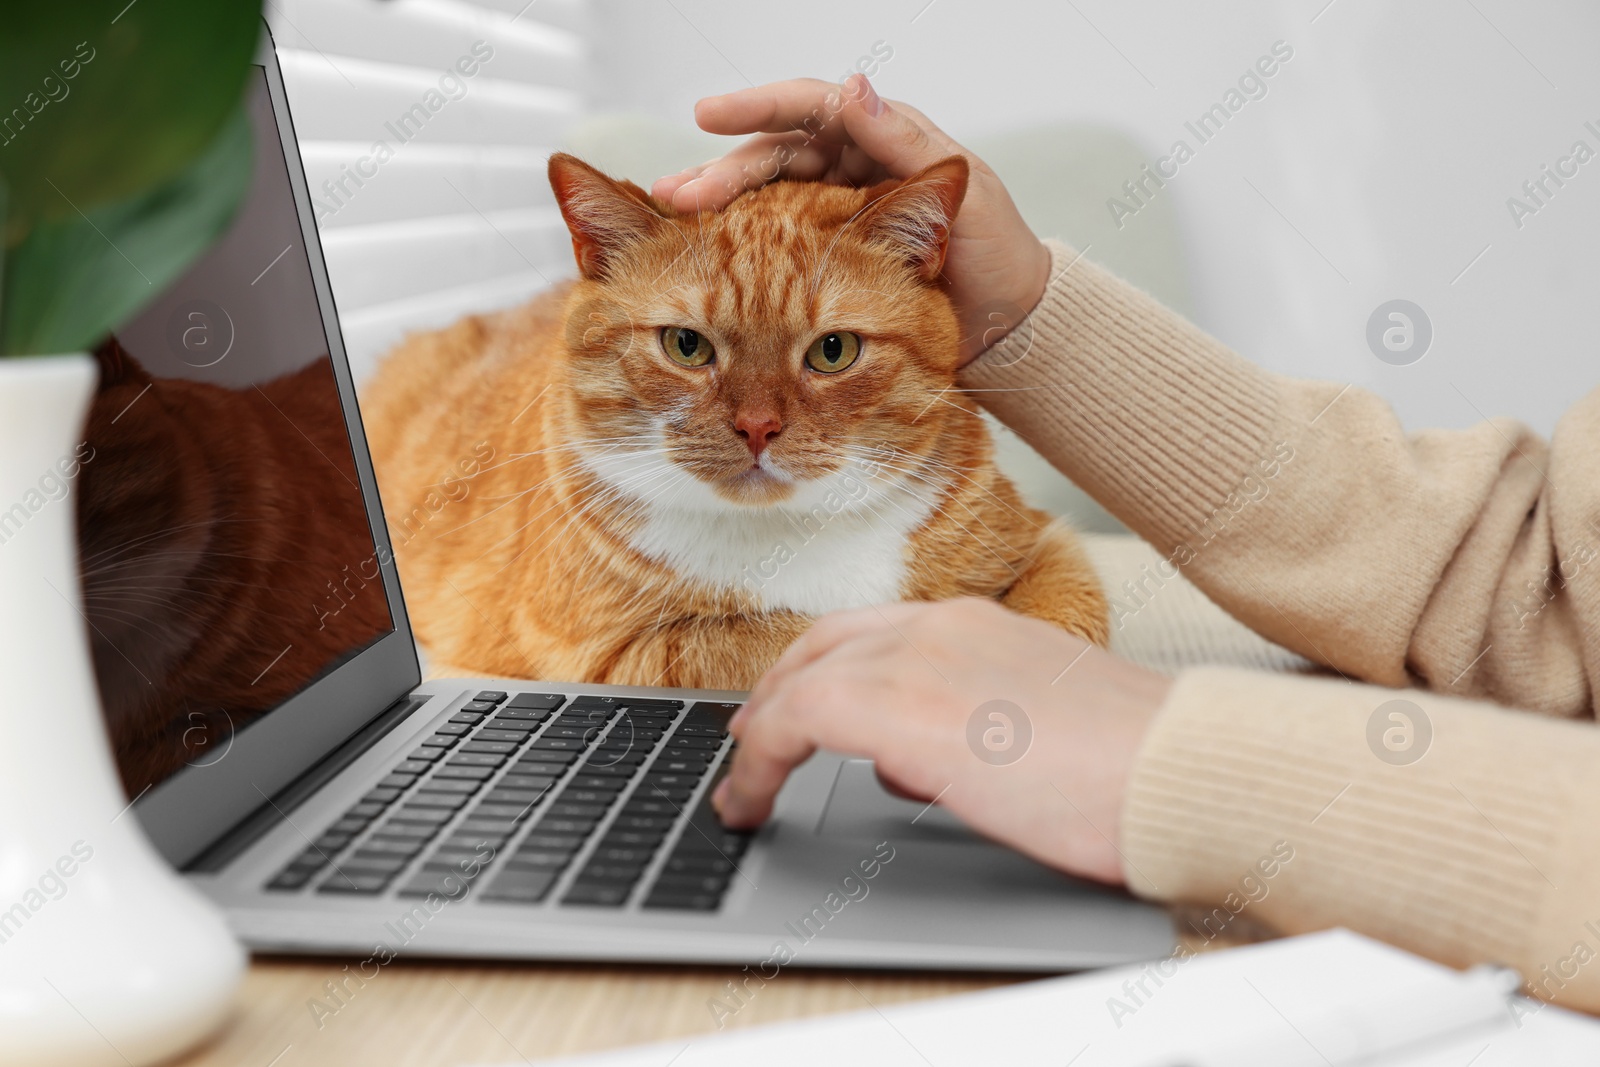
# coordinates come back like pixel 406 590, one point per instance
pixel 72 280
pixel 103 99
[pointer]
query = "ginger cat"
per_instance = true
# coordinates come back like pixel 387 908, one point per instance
pixel 730 424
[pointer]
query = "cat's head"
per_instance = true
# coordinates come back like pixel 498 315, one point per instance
pixel 757 355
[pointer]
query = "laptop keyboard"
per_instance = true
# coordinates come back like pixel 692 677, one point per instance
pixel 508 794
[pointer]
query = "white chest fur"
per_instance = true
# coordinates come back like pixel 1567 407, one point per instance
pixel 840 542
pixel 811 563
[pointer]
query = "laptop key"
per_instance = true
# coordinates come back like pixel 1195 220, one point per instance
pixel 582 731
pixel 690 741
pixel 355 882
pixel 603 770
pixel 467 718
pixel 312 859
pixel 698 863
pixel 427 753
pixel 507 811
pixel 517 780
pixel 528 715
pixel 452 885
pixel 597 894
pixel 558 744
pixel 520 886
pixel 679 766
pixel 489 827
pixel 392 846
pixel 469 861
pixel 567 826
pixel 554 764
pixel 374 863
pixel 684 901
pixel 481 707
pixel 538 859
pixel 516 737
pixel 689 884
pixel 644 822
pixel 504 748
pixel 453 729
pixel 421 831
pixel 290 880
pixel 437 800
pixel 410 813
pixel 491 696
pixel 381 796
pixel 473 841
pixel 349 826
pixel 546 701
pixel 450 785
pixel 453 771
pixel 635 838
pixel 522 729
pixel 639 805
pixel 620 856
pixel 611 875
pixel 543 842
pixel 598 783
pixel 669 781
pixel 501 795
pixel 476 759
pixel 677 794
pixel 411 766
pixel 567 809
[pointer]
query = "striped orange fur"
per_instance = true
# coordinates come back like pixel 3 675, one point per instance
pixel 570 502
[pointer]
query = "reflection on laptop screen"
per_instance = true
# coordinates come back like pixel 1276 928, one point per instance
pixel 227 557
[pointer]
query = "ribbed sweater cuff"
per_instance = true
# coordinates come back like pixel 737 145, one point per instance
pixel 1144 411
pixel 1459 855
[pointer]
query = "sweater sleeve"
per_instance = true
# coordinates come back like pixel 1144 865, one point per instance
pixel 1455 829
pixel 1455 561
pixel 1459 560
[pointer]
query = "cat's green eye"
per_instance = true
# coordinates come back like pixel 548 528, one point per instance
pixel 686 347
pixel 833 352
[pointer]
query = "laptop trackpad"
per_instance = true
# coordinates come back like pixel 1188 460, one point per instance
pixel 859 808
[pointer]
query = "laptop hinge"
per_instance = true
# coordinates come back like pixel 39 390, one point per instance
pixel 254 826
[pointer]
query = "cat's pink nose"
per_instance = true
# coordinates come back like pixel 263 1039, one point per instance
pixel 757 429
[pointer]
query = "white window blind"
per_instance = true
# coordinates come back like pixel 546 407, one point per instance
pixel 429 182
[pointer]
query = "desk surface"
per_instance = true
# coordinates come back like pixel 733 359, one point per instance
pixel 420 1014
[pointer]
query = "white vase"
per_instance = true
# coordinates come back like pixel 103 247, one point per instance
pixel 106 955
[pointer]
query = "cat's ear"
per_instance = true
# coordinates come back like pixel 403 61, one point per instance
pixel 915 216
pixel 604 215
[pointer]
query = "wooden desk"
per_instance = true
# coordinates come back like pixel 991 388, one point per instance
pixel 421 1014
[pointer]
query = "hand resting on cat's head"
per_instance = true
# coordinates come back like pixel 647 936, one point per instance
pixel 812 130
pixel 732 423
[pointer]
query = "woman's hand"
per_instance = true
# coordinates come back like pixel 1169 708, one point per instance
pixel 910 686
pixel 996 269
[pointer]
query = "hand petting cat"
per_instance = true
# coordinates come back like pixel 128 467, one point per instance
pixel 995 264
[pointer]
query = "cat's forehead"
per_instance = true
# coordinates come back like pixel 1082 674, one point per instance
pixel 788 207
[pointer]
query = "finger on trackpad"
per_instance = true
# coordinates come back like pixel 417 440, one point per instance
pixel 859 808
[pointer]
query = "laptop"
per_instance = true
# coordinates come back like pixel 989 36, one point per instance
pixel 304 777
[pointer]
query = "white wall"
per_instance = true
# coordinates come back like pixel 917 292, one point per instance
pixel 1384 153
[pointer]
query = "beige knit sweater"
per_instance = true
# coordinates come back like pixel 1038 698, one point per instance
pixel 1458 562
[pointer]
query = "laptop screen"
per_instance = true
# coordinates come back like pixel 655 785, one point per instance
pixel 228 559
